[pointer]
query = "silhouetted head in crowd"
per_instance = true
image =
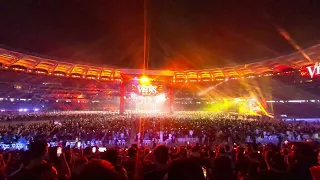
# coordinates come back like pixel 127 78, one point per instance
pixel 278 161
pixel 87 151
pixel 98 169
pixel 227 148
pixel 212 154
pixel 121 173
pixel 46 172
pixel 135 146
pixel 132 152
pixel 161 154
pixel 182 152
pixel 240 153
pixel 304 154
pixel 221 151
pixel 79 164
pixel 111 156
pixel 38 150
pixel 52 153
pixel 42 171
pixel 146 151
pixel 196 151
pixel 284 151
pixel 184 169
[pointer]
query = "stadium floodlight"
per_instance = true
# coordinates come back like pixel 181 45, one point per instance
pixel 144 80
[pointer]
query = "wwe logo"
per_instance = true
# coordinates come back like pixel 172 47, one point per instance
pixel 147 89
pixel 314 70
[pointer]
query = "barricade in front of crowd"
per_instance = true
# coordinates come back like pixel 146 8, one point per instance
pixel 186 140
pixel 264 140
pixel 18 146
pixel 120 143
pixel 147 142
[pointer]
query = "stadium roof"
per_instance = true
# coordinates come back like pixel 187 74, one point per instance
pixel 32 63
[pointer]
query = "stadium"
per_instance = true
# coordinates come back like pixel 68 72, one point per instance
pixel 33 83
pixel 121 119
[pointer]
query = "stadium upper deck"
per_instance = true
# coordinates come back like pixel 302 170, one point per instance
pixel 50 83
pixel 29 63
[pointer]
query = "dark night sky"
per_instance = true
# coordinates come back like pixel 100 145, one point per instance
pixel 184 33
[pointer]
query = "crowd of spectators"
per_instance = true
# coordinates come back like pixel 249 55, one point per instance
pixel 222 150
pixel 109 127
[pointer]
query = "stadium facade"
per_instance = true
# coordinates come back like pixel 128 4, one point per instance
pixel 33 82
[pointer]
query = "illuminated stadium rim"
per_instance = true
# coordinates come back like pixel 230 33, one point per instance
pixel 18 61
